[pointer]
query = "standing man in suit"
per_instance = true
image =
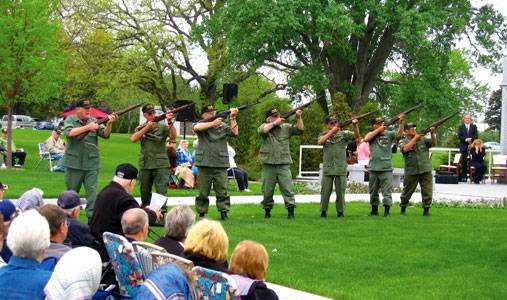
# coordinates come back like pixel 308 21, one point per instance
pixel 467 133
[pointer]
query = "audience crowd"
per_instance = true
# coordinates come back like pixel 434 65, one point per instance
pixel 63 258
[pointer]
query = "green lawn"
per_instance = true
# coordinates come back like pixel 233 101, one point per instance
pixel 457 253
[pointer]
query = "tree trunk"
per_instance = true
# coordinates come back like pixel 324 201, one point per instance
pixel 8 159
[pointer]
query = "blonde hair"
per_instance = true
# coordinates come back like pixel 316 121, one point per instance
pixel 475 142
pixel 249 259
pixel 209 239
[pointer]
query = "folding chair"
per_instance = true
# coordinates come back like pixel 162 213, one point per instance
pixel 44 155
pixel 162 258
pixel 455 167
pixel 499 168
pixel 125 264
pixel 214 285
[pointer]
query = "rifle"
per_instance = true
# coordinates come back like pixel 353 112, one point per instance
pixel 104 120
pixel 359 117
pixel 397 117
pixel 290 113
pixel 439 123
pixel 163 116
pixel 224 114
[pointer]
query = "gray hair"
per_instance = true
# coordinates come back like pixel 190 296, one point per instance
pixel 133 220
pixel 178 221
pixel 34 244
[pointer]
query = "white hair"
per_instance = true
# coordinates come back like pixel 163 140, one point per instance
pixel 29 235
pixel 178 221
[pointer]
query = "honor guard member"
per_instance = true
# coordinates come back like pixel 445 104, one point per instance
pixel 81 158
pixel 416 153
pixel 153 161
pixel 334 142
pixel 380 166
pixel 275 157
pixel 212 158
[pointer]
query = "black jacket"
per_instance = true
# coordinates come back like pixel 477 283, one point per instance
pixel 259 291
pixel 171 245
pixel 205 262
pixel 463 134
pixel 79 234
pixel 110 205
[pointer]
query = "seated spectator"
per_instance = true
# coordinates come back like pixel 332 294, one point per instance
pixel 352 153
pixel 249 263
pixel 477 154
pixel 166 282
pixel 76 275
pixel 79 234
pixel 23 278
pixel 9 212
pixel 56 147
pixel 177 224
pixel 195 169
pixel 185 162
pixel 30 199
pixel 3 189
pixel 134 223
pixel 18 154
pixel 240 175
pixel 206 245
pixel 114 200
pixel 2 236
pixel 172 181
pixel 57 220
pixel 363 153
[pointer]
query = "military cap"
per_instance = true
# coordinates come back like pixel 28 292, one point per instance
pixel 207 108
pixel 126 171
pixel 83 102
pixel 377 120
pixel 330 119
pixel 407 126
pixel 272 112
pixel 148 108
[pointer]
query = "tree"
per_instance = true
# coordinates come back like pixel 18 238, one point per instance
pixel 493 114
pixel 31 57
pixel 346 46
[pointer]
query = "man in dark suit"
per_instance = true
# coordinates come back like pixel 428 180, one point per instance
pixel 467 133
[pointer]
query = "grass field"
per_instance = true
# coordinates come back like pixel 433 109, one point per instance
pixel 457 253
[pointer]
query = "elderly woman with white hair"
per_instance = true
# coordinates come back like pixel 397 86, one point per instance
pixel 177 224
pixel 30 199
pixel 76 275
pixel 23 278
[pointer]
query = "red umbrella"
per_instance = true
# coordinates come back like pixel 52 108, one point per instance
pixel 94 112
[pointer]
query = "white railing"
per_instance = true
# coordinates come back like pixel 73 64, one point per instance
pixel 311 173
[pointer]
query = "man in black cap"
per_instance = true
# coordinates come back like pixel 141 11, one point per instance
pixel 81 158
pixel 380 167
pixel 416 154
pixel 114 200
pixel 212 158
pixel 275 157
pixel 153 162
pixel 79 234
pixel 334 141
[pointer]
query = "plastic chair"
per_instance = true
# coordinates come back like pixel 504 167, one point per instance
pixel 162 258
pixel 44 155
pixel 214 285
pixel 499 168
pixel 124 262
pixel 143 253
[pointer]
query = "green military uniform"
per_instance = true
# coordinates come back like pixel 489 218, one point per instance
pixel 275 157
pixel 212 158
pixel 335 169
pixel 81 160
pixel 380 168
pixel 153 162
pixel 417 170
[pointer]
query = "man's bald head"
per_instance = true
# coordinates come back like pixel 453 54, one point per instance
pixel 134 221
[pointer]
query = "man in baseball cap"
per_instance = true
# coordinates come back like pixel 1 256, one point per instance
pixel 79 234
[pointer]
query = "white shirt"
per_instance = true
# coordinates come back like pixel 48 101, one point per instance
pixel 232 153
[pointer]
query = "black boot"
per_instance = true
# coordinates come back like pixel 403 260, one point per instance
pixel 386 210
pixel 403 211
pixel 223 215
pixel 374 210
pixel 323 214
pixel 341 215
pixel 267 213
pixel 426 212
pixel 290 214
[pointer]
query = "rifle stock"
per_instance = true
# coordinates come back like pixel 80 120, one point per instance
pixel 439 123
pixel 163 116
pixel 359 117
pixel 406 112
pixel 104 120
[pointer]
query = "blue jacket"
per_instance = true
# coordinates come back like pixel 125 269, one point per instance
pixel 23 278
